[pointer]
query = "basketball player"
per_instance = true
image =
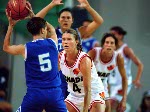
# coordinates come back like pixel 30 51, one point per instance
pixel 86 89
pixel 65 20
pixel 88 43
pixel 129 56
pixel 41 67
pixel 106 60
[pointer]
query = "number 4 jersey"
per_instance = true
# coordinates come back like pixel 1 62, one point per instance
pixel 41 67
pixel 74 77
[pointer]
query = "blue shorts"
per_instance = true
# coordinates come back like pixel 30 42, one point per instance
pixel 37 99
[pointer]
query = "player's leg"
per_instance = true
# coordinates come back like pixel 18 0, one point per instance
pixel 114 104
pixel 98 107
pixel 97 103
pixel 74 103
pixel 108 106
pixel 107 101
pixel 70 107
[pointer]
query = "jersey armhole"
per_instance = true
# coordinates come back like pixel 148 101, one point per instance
pixel 85 55
pixel 117 58
pixel 25 56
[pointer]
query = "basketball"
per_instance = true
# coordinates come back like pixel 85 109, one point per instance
pixel 17 9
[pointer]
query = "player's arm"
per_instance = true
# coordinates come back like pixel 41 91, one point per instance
pixel 59 56
pixel 120 63
pixel 130 54
pixel 85 68
pixel 51 33
pixel 46 9
pixel 7 47
pixel 92 54
pixel 97 19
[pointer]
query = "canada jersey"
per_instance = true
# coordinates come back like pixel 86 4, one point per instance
pixel 127 66
pixel 127 61
pixel 104 69
pixel 74 77
pixel 41 68
pixel 88 44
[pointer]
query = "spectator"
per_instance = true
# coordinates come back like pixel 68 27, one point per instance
pixel 4 105
pixel 145 104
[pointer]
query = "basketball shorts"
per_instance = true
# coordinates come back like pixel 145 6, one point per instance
pixel 37 99
pixel 77 102
pixel 116 90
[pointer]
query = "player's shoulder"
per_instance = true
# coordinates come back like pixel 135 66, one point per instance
pixel 84 55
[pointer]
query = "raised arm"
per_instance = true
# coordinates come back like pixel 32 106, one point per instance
pixel 51 32
pixel 129 53
pixel 7 47
pixel 85 68
pixel 120 63
pixel 45 10
pixel 97 19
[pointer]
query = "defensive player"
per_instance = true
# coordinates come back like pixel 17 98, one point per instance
pixel 106 60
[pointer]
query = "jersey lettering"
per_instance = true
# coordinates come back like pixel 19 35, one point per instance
pixel 76 88
pixel 74 80
pixel 101 74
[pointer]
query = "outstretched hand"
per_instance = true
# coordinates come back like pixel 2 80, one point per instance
pixel 137 83
pixel 83 3
pixel 31 13
pixel 57 2
pixel 12 22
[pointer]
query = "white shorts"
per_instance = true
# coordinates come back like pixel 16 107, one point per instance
pixel 106 93
pixel 114 90
pixel 77 102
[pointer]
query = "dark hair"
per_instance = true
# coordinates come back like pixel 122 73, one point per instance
pixel 119 30
pixel 76 36
pixel 65 10
pixel 87 20
pixel 35 24
pixel 106 35
pixel 143 106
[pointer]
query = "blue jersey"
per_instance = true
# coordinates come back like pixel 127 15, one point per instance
pixel 60 48
pixel 41 67
pixel 59 36
pixel 88 44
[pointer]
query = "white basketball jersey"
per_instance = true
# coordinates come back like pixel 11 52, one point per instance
pixel 127 66
pixel 74 77
pixel 104 69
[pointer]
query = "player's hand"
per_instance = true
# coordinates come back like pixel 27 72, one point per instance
pixel 57 2
pixel 137 83
pixel 31 13
pixel 12 22
pixel 122 106
pixel 83 3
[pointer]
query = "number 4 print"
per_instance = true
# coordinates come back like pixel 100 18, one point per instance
pixel 76 88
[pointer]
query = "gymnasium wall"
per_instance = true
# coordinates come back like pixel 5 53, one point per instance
pixel 133 16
